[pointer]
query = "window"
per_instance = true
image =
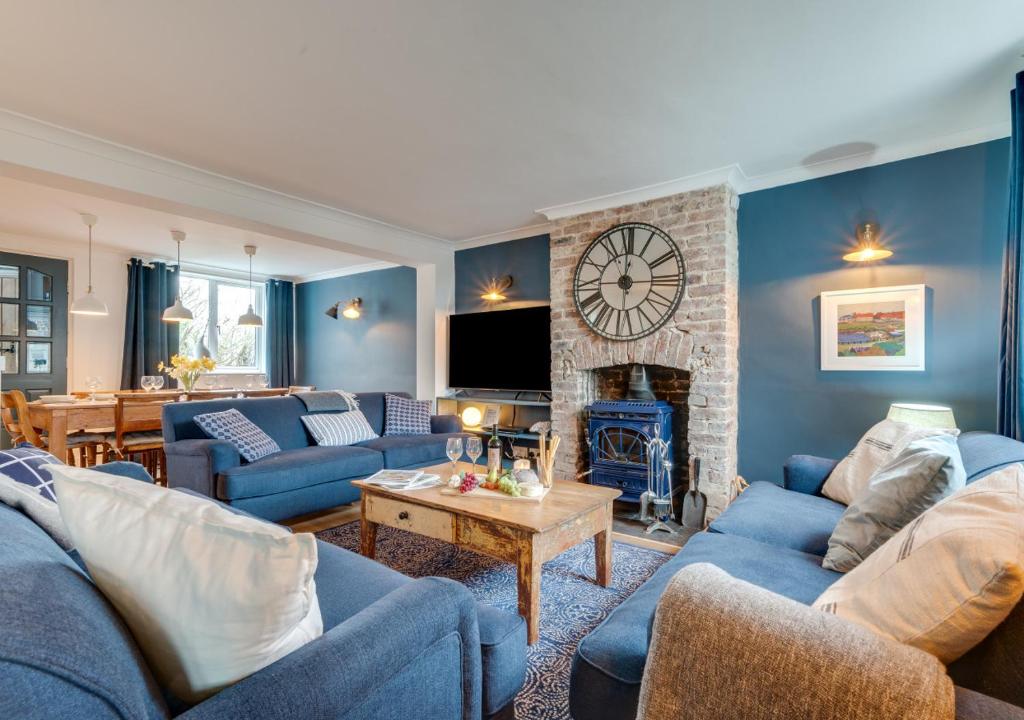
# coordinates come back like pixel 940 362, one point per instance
pixel 216 304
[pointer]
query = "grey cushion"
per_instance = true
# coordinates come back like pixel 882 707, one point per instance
pixel 927 470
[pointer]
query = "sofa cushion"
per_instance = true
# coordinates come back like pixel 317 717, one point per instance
pixel 292 469
pixel 401 451
pixel 372 405
pixel 404 416
pixel 25 485
pixel 240 431
pixel 61 638
pixel 985 452
pixel 346 583
pixel 278 417
pixel 335 429
pixel 609 662
pixel 785 518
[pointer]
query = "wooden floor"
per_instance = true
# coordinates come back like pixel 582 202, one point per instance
pixel 625 531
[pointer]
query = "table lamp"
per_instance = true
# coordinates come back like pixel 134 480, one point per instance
pixel 928 416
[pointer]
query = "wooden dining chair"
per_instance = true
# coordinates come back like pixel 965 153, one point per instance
pixel 138 431
pixel 83 448
pixel 211 394
pixel 265 392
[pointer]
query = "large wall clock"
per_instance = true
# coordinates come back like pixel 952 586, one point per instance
pixel 629 281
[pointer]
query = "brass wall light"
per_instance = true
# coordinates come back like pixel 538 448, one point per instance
pixel 496 289
pixel 351 310
pixel 867 243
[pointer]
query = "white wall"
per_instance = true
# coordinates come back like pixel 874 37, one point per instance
pixel 94 343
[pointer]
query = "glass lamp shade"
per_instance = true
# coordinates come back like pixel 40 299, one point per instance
pixel 89 304
pixel 177 313
pixel 928 416
pixel 250 319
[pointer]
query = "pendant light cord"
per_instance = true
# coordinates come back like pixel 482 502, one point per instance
pixel 90 258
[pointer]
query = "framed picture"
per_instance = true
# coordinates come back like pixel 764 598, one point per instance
pixel 873 329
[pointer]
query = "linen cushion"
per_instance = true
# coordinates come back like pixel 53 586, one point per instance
pixel 240 431
pixel 927 470
pixel 25 485
pixel 334 429
pixel 947 579
pixel 883 441
pixel 209 595
pixel 403 416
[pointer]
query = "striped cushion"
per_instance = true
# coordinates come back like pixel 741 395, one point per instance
pixel 333 429
pixel 950 577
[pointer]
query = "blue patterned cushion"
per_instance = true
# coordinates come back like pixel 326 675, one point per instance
pixel 26 486
pixel 333 429
pixel 403 416
pixel 240 431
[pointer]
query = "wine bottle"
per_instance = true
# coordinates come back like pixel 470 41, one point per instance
pixel 494 454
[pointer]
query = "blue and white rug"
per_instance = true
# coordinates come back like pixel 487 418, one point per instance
pixel 572 604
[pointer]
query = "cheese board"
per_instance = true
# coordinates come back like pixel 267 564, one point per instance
pixel 484 493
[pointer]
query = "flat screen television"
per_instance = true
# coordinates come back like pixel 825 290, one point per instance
pixel 501 350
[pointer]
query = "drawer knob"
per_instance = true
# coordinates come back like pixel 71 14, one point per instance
pixel 404 515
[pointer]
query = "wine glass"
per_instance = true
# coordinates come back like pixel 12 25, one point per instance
pixel 263 381
pixel 93 383
pixel 454 451
pixel 474 448
pixel 146 383
pixel 157 382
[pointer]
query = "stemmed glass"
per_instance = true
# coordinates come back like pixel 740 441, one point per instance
pixel 454 451
pixel 263 381
pixel 93 383
pixel 146 382
pixel 474 448
pixel 157 382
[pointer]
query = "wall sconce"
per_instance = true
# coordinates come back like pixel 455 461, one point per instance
pixel 867 240
pixel 496 290
pixel 352 310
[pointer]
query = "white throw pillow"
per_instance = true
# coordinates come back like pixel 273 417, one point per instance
pixel 950 577
pixel 884 441
pixel 210 596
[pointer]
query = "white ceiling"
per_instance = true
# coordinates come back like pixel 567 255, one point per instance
pixel 461 118
pixel 34 210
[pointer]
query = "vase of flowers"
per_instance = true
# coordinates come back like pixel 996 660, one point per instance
pixel 186 370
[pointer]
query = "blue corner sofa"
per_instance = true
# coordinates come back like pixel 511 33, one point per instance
pixel 392 647
pixel 303 477
pixel 775 537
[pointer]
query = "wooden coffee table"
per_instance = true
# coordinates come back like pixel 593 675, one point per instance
pixel 525 533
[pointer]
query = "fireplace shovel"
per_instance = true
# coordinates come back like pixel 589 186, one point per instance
pixel 695 503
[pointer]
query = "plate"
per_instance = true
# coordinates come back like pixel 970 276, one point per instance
pixel 51 399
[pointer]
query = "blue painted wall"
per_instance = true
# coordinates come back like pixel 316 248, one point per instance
pixel 526 260
pixel 944 216
pixel 375 352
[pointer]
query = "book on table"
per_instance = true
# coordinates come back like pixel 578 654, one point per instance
pixel 403 479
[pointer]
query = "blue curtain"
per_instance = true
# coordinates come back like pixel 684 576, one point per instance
pixel 148 340
pixel 280 329
pixel 1011 384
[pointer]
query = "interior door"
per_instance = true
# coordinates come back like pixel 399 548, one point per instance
pixel 33 324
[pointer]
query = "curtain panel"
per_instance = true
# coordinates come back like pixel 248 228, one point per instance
pixel 148 340
pixel 280 332
pixel 1011 384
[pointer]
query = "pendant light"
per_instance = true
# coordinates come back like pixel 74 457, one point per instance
pixel 89 304
pixel 250 318
pixel 178 313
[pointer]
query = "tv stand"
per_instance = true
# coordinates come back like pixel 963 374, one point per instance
pixel 517 413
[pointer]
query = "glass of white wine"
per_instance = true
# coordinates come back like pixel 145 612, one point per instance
pixel 454 451
pixel 474 448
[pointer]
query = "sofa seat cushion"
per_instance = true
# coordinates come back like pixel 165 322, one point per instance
pixel 402 451
pixel 609 662
pixel 294 469
pixel 784 518
pixel 346 583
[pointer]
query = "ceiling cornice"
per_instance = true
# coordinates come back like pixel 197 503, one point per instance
pixel 518 233
pixel 343 272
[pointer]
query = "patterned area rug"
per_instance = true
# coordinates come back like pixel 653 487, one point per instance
pixel 572 604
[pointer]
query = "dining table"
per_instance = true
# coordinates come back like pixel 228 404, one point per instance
pixel 60 419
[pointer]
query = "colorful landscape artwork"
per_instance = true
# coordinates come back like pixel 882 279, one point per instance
pixel 872 329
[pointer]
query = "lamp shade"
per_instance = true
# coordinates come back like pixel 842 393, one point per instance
pixel 928 416
pixel 250 318
pixel 177 313
pixel 89 304
pixel 471 417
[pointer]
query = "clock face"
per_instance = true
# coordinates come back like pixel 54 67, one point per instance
pixel 629 281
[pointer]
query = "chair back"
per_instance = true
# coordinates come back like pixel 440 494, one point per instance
pixel 292 389
pixel 210 394
pixel 138 413
pixel 265 392
pixel 16 418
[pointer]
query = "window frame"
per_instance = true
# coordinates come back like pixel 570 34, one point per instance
pixel 213 328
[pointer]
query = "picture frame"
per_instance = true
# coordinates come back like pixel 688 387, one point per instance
pixel 874 329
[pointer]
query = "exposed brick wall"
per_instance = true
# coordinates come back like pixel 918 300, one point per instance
pixel 701 341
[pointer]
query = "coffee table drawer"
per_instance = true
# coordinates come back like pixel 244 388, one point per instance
pixel 407 516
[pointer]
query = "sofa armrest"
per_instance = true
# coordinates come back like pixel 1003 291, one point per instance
pixel 126 468
pixel 972 705
pixel 726 649
pixel 806 473
pixel 195 464
pixel 414 653
pixel 445 424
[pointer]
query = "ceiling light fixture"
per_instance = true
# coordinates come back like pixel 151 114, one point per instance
pixel 867 239
pixel 496 290
pixel 250 318
pixel 89 304
pixel 354 309
pixel 178 313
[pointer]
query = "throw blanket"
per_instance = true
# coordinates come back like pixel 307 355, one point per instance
pixel 333 401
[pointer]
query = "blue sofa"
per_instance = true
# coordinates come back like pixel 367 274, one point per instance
pixel 775 537
pixel 303 477
pixel 392 647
